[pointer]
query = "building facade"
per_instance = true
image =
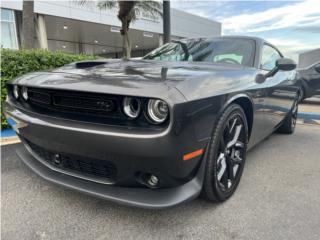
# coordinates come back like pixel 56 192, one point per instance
pixel 70 27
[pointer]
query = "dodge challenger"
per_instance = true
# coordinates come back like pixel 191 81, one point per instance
pixel 156 131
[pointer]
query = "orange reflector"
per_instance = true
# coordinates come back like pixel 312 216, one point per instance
pixel 192 154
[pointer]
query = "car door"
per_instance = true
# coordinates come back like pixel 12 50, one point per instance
pixel 280 89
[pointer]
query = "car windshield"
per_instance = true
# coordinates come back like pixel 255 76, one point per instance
pixel 234 51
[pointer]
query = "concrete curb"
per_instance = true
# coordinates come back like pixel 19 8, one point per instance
pixel 9 140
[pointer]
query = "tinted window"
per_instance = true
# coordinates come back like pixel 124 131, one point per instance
pixel 234 51
pixel 269 57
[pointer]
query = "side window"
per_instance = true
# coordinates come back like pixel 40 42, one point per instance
pixel 269 57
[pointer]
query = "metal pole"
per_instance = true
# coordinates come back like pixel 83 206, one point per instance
pixel 166 22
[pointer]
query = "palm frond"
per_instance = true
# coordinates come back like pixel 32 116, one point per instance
pixel 83 3
pixel 132 15
pixel 103 4
pixel 152 7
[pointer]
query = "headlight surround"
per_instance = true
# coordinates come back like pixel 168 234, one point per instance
pixel 15 91
pixel 132 107
pixel 158 110
pixel 24 93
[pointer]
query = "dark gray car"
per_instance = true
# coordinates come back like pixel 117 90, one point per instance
pixel 310 81
pixel 156 131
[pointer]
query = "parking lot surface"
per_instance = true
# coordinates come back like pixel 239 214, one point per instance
pixel 278 198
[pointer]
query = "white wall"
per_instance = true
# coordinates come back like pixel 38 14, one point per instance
pixel 183 24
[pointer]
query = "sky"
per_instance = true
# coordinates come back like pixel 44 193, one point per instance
pixel 292 26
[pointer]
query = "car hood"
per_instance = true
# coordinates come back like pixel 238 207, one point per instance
pixel 141 77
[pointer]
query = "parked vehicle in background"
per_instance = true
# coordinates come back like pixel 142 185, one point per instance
pixel 157 131
pixel 310 81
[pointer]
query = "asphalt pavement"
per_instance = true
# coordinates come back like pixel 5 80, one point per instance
pixel 278 198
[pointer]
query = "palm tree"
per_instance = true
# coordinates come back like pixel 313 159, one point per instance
pixel 27 38
pixel 127 13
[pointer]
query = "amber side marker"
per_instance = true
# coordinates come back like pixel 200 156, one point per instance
pixel 192 155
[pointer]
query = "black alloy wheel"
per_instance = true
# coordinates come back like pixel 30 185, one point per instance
pixel 227 154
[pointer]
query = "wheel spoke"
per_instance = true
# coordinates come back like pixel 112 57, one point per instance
pixel 221 161
pixel 232 125
pixel 230 169
pixel 239 144
pixel 235 169
pixel 235 137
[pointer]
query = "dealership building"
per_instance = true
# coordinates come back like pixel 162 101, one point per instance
pixel 70 27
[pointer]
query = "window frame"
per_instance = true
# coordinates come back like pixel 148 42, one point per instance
pixel 273 47
pixel 13 21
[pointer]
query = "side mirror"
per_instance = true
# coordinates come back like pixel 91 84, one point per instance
pixel 285 64
pixel 317 67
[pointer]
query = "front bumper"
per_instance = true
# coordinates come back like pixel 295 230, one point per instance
pixel 132 152
pixel 139 197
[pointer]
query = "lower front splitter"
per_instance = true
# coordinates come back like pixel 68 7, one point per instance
pixel 139 197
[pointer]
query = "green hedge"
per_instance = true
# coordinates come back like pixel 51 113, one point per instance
pixel 16 63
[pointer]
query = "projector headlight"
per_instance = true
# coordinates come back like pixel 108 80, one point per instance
pixel 25 93
pixel 158 110
pixel 16 91
pixel 131 107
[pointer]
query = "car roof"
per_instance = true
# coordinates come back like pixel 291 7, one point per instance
pixel 227 37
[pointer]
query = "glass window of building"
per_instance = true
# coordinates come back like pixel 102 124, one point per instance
pixel 8 29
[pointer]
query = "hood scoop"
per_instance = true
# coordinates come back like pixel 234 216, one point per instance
pixel 89 64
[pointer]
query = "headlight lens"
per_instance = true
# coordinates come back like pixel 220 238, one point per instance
pixel 131 107
pixel 158 110
pixel 16 91
pixel 25 93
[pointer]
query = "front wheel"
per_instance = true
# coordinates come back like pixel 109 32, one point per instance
pixel 226 155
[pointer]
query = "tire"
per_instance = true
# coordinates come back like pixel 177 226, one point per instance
pixel 289 123
pixel 302 94
pixel 221 179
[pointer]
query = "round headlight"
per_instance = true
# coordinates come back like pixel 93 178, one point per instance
pixel 25 93
pixel 16 91
pixel 131 107
pixel 158 110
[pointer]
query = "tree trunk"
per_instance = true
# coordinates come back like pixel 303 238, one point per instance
pixel 125 8
pixel 27 37
pixel 128 45
pixel 28 24
pixel 126 41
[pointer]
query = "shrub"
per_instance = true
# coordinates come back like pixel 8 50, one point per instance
pixel 16 63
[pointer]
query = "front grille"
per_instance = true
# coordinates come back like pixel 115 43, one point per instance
pixel 75 102
pixel 100 108
pixel 93 168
